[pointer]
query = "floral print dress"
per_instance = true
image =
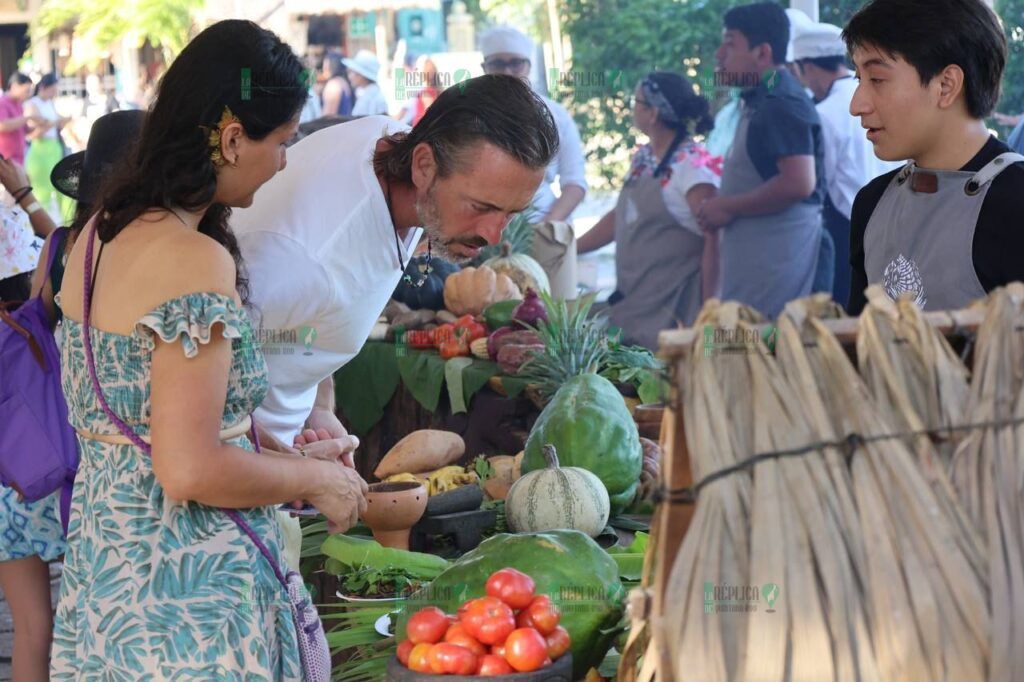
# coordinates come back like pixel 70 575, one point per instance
pixel 155 589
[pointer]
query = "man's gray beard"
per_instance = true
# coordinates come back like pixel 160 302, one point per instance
pixel 430 221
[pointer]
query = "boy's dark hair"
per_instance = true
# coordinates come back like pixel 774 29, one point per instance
pixel 498 109
pixel 931 35
pixel 830 64
pixel 761 22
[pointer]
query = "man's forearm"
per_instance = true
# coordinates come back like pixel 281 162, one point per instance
pixel 772 196
pixel 325 395
pixel 563 207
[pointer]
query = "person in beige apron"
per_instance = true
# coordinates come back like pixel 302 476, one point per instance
pixel 769 207
pixel 945 229
pixel 920 237
pixel 659 248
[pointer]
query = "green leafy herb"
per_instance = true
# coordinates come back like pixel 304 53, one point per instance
pixel 483 468
pixel 375 582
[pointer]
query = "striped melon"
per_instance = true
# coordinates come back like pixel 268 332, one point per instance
pixel 557 498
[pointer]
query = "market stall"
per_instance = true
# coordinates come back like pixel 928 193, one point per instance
pixel 501 431
pixel 834 501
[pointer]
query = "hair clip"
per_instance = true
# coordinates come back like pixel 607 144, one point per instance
pixel 226 119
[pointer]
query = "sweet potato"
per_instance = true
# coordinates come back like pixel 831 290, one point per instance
pixel 497 485
pixel 420 451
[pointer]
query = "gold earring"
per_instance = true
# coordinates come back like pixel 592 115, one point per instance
pixel 213 139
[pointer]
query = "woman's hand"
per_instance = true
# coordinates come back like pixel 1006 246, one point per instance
pixel 319 445
pixel 341 497
pixel 310 441
pixel 12 175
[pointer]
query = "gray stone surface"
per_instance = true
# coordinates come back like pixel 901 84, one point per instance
pixel 7 626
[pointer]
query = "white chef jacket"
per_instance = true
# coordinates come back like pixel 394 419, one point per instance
pixel 850 161
pixel 568 167
pixel 321 254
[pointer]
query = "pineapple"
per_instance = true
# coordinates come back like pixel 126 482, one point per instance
pixel 574 344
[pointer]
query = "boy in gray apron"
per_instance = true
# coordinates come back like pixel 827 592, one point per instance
pixel 769 208
pixel 946 228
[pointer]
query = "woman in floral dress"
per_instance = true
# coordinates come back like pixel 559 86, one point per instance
pixel 159 583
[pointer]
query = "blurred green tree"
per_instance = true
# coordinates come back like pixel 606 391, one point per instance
pixel 97 24
pixel 633 37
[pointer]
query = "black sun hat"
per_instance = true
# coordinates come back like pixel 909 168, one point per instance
pixel 79 175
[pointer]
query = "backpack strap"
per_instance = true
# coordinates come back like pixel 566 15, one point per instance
pixel 57 239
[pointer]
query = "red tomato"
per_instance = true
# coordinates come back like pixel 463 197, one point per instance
pixel 498 650
pixel 543 614
pixel 451 659
pixel 488 620
pixel 491 665
pixel 404 649
pixel 558 643
pixel 419 658
pixel 427 625
pixel 523 619
pixel 512 587
pixel 526 650
pixel 457 635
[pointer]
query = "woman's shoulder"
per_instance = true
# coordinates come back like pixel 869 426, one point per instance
pixel 154 261
pixel 185 260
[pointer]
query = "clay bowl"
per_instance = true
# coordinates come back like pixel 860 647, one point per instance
pixel 392 509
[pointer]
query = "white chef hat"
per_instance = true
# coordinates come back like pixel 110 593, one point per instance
pixel 505 39
pixel 798 21
pixel 818 40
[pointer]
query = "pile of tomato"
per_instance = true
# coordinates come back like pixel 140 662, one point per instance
pixel 510 630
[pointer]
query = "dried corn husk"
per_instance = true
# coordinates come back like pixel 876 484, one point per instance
pixel 912 371
pixel 790 514
pixel 925 595
pixel 988 467
pixel 716 545
pixel 920 384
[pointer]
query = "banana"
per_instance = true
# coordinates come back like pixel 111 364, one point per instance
pixel 402 478
pixel 448 478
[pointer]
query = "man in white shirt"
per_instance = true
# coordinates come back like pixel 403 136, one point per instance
pixel 363 71
pixel 328 238
pixel 508 51
pixel 819 53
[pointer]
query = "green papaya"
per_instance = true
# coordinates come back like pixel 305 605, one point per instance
pixel 498 315
pixel 590 426
pixel 580 577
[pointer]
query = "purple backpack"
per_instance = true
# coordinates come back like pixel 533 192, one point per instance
pixel 38 446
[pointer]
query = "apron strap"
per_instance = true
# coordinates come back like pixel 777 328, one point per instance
pixel 991 170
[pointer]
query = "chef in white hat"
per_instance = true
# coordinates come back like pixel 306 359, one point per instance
pixel 363 71
pixel 819 54
pixel 508 51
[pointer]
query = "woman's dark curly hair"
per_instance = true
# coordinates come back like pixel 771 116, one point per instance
pixel 234 64
pixel 690 115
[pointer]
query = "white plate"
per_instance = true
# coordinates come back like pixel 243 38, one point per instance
pixel 382 625
pixel 368 600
